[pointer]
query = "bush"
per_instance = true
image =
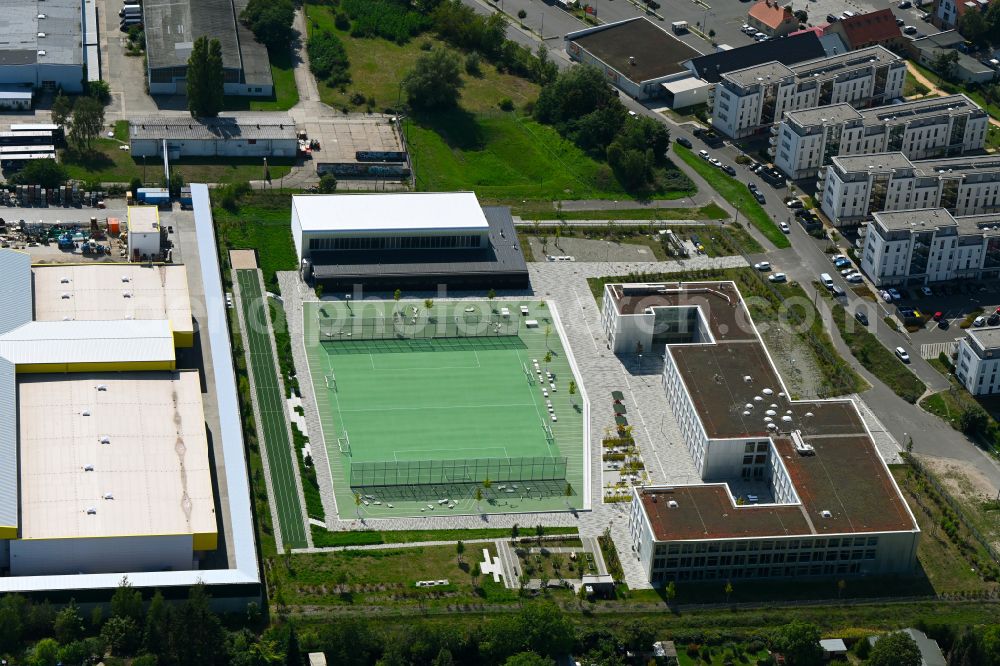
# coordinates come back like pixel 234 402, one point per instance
pixel 357 99
pixel 472 65
pixel 46 173
pixel 270 21
pixel 328 58
pixel 342 22
pixel 327 183
pixel 99 90
pixel 506 104
pixel 389 19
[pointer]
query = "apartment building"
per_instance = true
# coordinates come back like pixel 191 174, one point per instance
pixel 851 188
pixel 977 360
pixel 747 100
pixel 939 127
pixel 788 488
pixel 930 245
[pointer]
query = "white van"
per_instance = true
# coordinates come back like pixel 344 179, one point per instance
pixel 826 280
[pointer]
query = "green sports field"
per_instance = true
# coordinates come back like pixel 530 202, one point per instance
pixel 411 419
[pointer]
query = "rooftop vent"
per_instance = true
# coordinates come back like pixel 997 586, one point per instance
pixel 41 34
pixel 108 496
pixel 41 52
pixel 64 280
pixel 747 378
pixel 126 294
pixel 672 504
pixel 826 514
pixel 104 439
pixel 767 391
pixel 126 278
pixel 101 387
pixel 85 412
pixel 65 295
pixel 91 511
pixel 88 468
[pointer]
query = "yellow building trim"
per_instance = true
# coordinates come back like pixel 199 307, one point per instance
pixel 8 532
pixel 184 338
pixel 118 366
pixel 206 540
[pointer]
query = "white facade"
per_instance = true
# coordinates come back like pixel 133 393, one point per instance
pixel 749 99
pixel 922 246
pixel 806 140
pixel 854 187
pixel 978 359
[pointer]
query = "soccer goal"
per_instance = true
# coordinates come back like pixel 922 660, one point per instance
pixel 549 437
pixel 527 373
pixel 331 382
pixel 344 444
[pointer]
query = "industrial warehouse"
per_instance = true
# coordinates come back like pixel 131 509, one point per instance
pixel 109 444
pixel 43 47
pixel 773 502
pixel 260 135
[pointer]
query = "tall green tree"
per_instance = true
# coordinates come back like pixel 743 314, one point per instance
pixel 13 608
pixel 205 84
pixel 62 109
pixel 196 634
pixel 127 602
pixel 87 123
pixel 68 626
pixel 799 643
pixel 270 21
pixel 435 82
pixel 974 27
pixel 156 634
pixel 895 649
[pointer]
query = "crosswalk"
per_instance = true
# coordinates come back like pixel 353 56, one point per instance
pixel 934 349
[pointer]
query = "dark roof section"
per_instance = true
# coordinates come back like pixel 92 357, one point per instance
pixel 788 51
pixel 656 52
pixel 503 257
pixel 878 27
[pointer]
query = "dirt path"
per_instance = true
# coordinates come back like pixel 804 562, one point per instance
pixel 918 75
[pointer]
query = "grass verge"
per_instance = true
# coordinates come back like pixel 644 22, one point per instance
pixel 325 539
pixel 876 359
pixel 710 212
pixel 737 194
pixel 260 223
pixel 286 94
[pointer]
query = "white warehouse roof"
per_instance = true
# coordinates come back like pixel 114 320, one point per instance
pixel 51 342
pixel 424 211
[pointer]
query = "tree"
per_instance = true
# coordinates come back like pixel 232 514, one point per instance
pixel 99 90
pixel 521 14
pixel 270 21
pixel 196 634
pixel 548 332
pixel 514 531
pixel 973 420
pixel 127 601
pixel 572 392
pixel 62 109
pixel 47 173
pixel 12 611
pixel 68 625
pixel 45 653
pixel 327 183
pixel 396 295
pixel 491 294
pixel 204 78
pixel 328 58
pixel 293 654
pixel 121 635
pixel 944 64
pixel 799 643
pixel 479 498
pixel 528 659
pixel 539 533
pixel 357 503
pixel 728 589
pixel 86 124
pixel 895 649
pixel 435 81
pixel 428 303
pixel 155 635
pixel 671 591
pixel 973 26
pixel 459 549
pixel 574 93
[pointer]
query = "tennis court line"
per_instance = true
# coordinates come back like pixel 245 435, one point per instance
pixel 402 409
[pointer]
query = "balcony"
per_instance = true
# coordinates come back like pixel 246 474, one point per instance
pixel 772 151
pixel 820 184
pixel 774 130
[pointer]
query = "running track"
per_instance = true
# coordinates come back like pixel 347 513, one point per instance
pixel 273 429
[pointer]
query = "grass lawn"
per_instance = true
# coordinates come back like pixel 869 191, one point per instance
pixel 945 559
pixel 505 157
pixel 878 360
pixel 325 539
pixel 378 66
pixel 384 577
pixel 286 94
pixel 720 656
pixel 260 223
pixel 709 212
pixel 736 193
pixel 912 87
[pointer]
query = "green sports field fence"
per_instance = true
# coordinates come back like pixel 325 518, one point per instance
pixel 406 345
pixel 389 473
pixel 407 326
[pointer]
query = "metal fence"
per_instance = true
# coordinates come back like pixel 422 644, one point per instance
pixel 383 473
pixel 404 327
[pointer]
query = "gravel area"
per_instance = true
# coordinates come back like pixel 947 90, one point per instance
pixel 586 249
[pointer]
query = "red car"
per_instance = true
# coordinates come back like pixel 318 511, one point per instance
pixel 937 316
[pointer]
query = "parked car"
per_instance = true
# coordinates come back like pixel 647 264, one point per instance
pixel 730 171
pixel 993 319
pixel 847 271
pixel 763 266
pixel 894 293
pixel 703 154
pixel 842 263
pixel 943 324
pixel 925 17
pixel 784 227
pixel 979 321
pixel 861 317
pixel 903 356
pixel 684 141
pixel 886 296
pixel 905 4
pixel 910 30
pixel 759 196
pixel 794 203
pixel 838 257
pixel 714 162
pixel 752 186
pixel 926 291
pixel 778 277
pixel 832 18
pixel 938 316
pixel 855 278
pixel 900 22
